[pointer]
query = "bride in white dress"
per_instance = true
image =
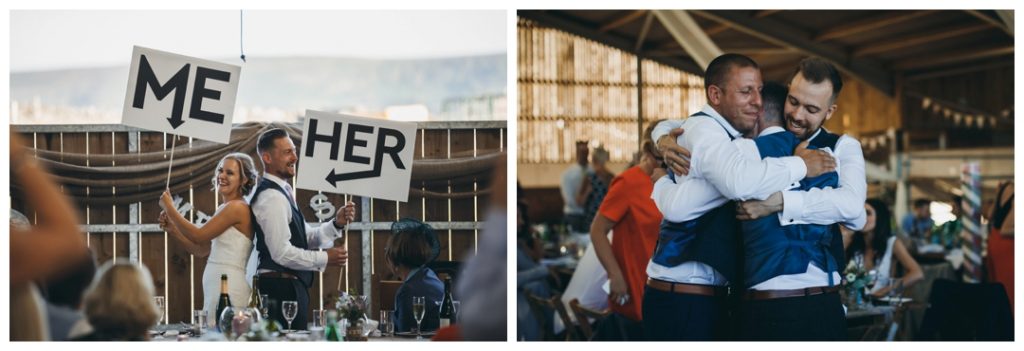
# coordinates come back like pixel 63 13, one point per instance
pixel 227 237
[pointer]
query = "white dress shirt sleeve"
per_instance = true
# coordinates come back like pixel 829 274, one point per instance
pixel 726 166
pixel 826 206
pixel 664 127
pixel 322 236
pixel 273 212
pixel 683 201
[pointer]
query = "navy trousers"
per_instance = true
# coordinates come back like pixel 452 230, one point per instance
pixel 282 289
pixel 806 318
pixel 683 317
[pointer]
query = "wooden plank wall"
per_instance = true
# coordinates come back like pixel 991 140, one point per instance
pixel 177 275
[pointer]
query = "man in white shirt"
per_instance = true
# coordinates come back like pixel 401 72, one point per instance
pixel 287 246
pixel 791 296
pixel 697 256
pixel 572 180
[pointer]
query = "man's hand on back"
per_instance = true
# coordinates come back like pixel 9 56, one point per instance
pixel 677 157
pixel 818 162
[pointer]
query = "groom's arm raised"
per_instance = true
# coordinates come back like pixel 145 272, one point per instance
pixel 323 235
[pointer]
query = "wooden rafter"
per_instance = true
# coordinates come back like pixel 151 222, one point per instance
pixel 868 24
pixel 958 70
pixel 622 20
pixel 991 20
pixel 550 19
pixel 958 56
pixel 765 13
pixel 785 35
pixel 648 20
pixel 717 28
pixel 760 51
pixel 918 39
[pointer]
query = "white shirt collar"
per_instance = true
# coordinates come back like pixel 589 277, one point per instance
pixel 721 120
pixel 816 133
pixel 280 182
pixel 771 130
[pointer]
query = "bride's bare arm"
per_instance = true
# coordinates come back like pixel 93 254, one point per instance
pixel 234 212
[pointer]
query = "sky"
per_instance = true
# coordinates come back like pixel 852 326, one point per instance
pixel 58 39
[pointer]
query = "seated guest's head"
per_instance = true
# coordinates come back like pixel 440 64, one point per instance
pixel 922 209
pixel 67 290
pixel 877 229
pixel 119 303
pixel 412 245
pixel 235 176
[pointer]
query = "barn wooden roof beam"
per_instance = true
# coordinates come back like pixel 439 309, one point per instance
pixel 690 36
pixel 584 30
pixel 868 24
pixel 958 56
pixel 993 20
pixel 622 20
pixel 784 35
pixel 918 39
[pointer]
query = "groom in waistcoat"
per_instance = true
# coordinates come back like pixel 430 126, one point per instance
pixel 286 245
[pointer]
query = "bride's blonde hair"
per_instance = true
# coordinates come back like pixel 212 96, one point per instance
pixel 247 170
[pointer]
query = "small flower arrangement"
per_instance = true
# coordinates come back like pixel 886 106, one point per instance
pixel 351 307
pixel 857 279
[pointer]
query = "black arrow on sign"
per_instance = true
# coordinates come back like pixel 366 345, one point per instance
pixel 334 178
pixel 176 121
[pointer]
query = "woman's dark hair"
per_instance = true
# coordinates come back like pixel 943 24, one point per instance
pixel 883 231
pixel 412 244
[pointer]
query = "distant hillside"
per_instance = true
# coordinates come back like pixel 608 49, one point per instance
pixel 294 83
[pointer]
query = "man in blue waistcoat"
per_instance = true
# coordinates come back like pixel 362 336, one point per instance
pixel 287 247
pixel 790 260
pixel 698 253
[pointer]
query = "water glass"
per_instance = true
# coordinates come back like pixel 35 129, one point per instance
pixel 159 301
pixel 318 318
pixel 200 321
pixel 387 325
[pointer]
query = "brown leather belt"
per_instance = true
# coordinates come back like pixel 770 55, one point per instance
pixel 684 288
pixel 780 294
pixel 281 275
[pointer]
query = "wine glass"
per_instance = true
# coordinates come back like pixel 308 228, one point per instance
pixel 290 309
pixel 896 293
pixel 418 311
pixel 159 301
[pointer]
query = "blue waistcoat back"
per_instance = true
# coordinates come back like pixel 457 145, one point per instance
pixel 712 239
pixel 771 249
pixel 297 227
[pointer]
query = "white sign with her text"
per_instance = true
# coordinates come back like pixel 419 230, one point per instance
pixel 181 95
pixel 356 155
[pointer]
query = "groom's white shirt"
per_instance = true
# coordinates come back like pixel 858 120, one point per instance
pixel 273 213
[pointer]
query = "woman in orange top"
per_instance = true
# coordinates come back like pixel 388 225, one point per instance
pixel 629 211
pixel 1000 240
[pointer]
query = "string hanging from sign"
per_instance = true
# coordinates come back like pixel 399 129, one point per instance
pixel 241 36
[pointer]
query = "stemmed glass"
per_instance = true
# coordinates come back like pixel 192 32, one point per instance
pixel 418 311
pixel 265 309
pixel 896 293
pixel 290 309
pixel 159 301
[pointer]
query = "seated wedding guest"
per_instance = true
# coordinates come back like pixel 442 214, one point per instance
pixel 119 303
pixel 40 251
pixel 918 223
pixel 630 213
pixel 876 246
pixel 64 300
pixel 411 247
pixel 531 278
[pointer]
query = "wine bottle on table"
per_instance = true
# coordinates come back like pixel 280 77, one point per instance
pixel 447 307
pixel 255 301
pixel 225 300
